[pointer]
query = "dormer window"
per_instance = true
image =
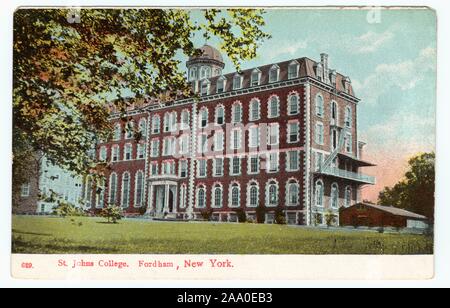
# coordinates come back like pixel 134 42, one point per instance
pixel 220 87
pixel 255 78
pixel 204 88
pixel 274 73
pixel 293 70
pixel 319 71
pixel 237 82
pixel 333 77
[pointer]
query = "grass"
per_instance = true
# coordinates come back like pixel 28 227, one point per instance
pixel 79 235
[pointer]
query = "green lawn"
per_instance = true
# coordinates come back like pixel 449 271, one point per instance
pixel 49 235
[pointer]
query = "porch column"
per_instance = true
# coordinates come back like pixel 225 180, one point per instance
pixel 166 199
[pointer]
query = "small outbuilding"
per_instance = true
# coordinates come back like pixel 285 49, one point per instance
pixel 372 215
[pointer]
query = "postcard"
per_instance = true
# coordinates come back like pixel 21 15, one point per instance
pixel 223 143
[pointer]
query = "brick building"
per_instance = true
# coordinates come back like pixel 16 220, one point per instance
pixel 280 135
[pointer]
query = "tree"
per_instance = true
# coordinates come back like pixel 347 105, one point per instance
pixel 72 68
pixel 415 192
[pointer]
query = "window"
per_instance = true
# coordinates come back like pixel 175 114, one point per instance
pixel 253 194
pixel 204 90
pixel 184 144
pixel 254 113
pixel 203 117
pixel 272 193
pixel 218 167
pixel 25 190
pixel 334 139
pixel 348 117
pixel 154 168
pixel 293 132
pixel 334 199
pixel 273 133
pixel 117 132
pixel 319 106
pixel 235 166
pixel 221 85
pixel 202 168
pixel 274 107
pixel 319 71
pixel 220 115
pixel 115 153
pixel 141 150
pixel 293 70
pixel 139 189
pixel 273 74
pixel 100 193
pixel 185 119
pixel 143 127
pixel 293 107
pixel 273 162
pixel 253 138
pixel 237 82
pixel 173 121
pixel 218 141
pixel 168 168
pixel 203 143
pixel 236 111
pixel 102 154
pixel 113 189
pixel 319 194
pixel 254 164
pixel 292 161
pixel 293 190
pixel 183 196
pixel 128 152
pixel 217 196
pixel 255 77
pixel 319 161
pixel 348 143
pixel 319 134
pixel 235 197
pixel 129 130
pixel 201 197
pixel 236 139
pixel 183 169
pixel 348 196
pixel 156 124
pixel 193 73
pixel 154 148
pixel 334 113
pixel 166 122
pixel 125 190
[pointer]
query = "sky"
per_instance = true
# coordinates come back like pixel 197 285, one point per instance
pixel 390 56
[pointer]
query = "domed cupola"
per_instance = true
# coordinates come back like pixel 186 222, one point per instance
pixel 208 64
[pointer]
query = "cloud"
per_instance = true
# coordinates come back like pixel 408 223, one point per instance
pixel 369 42
pixel 285 48
pixel 404 75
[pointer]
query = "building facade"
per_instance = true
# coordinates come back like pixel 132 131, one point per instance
pixel 283 135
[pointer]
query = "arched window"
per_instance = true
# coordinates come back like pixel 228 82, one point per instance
pixel 293 104
pixel 255 77
pixel 125 190
pixel 236 111
pixel 185 119
pixel 293 193
pixel 220 115
pixel 274 107
pixel 203 117
pixel 334 113
pixel 156 124
pixel 117 132
pixel 235 195
pixel 143 127
pixel 334 199
pixel 319 105
pixel 113 189
pixel 272 193
pixel 139 189
pixel 273 73
pixel 348 116
pixel 100 193
pixel 293 70
pixel 217 196
pixel 319 193
pixel 253 194
pixel 348 196
pixel 201 197
pixel 254 113
pixel 237 82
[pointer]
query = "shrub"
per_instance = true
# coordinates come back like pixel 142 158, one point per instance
pixel 112 213
pixel 206 214
pixel 241 215
pixel 142 210
pixel 280 218
pixel 317 219
pixel 66 209
pixel 260 214
pixel 330 219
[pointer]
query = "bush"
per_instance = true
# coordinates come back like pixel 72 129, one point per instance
pixel 206 214
pixel 330 219
pixel 280 218
pixel 66 209
pixel 112 213
pixel 142 210
pixel 260 214
pixel 241 215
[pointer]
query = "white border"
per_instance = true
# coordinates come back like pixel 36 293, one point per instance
pixel 442 277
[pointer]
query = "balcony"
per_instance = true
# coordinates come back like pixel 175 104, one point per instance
pixel 349 175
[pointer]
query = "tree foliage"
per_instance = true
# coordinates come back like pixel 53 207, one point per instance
pixel 69 73
pixel 415 192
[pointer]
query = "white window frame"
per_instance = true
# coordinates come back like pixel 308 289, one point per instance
pixel 272 69
pixel 320 105
pixel 115 148
pixel 154 148
pixel 183 190
pixel 117 132
pixel 289 132
pixel 141 149
pixel 231 204
pixel 335 190
pixel 185 119
pixel 136 189
pixel 214 204
pixel 224 82
pixel 183 166
pixel 125 191
pixel 273 127
pixel 269 107
pixel 236 139
pixel 250 185
pixel 348 196
pixel 113 188
pixel 297 66
pixel 156 124
pixel 290 112
pixel 251 114
pixel 103 153
pixel 289 162
pixel 320 134
pixel 254 136
pixel 203 116
pixel 289 183
pixel 257 82
pixel 127 149
pixel 270 183
pixel 249 164
pixel 202 170
pixel 216 167
pixel 348 117
pixel 319 195
pixel 239 159
pixel 216 116
pixel 25 190
pixel 269 162
pixel 219 143
pixel 237 86
pixel 197 197
pixel 236 117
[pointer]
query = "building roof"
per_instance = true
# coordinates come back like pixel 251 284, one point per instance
pixel 209 52
pixel 394 210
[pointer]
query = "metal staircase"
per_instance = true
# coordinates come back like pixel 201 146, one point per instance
pixel 343 132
